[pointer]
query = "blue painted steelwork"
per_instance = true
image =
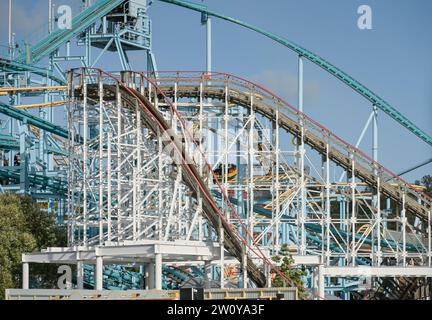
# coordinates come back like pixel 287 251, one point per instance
pixel 14 66
pixel 415 167
pixel 98 25
pixel 117 277
pixel 318 230
pixel 12 143
pixel 38 181
pixel 8 142
pixel 33 120
pixel 60 36
pixel 267 213
pixel 88 17
pixel 324 64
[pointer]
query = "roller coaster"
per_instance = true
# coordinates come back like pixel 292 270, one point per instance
pixel 152 201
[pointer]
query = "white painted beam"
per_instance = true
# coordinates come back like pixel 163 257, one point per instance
pixel 366 271
pixel 25 275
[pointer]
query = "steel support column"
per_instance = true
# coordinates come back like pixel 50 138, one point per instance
pixel 321 283
pixel 151 275
pixel 158 271
pixel 99 273
pixel 25 275
pixel 207 274
pixel 80 275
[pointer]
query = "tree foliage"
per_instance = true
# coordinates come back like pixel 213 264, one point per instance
pixel 427 182
pixel 285 265
pixel 24 227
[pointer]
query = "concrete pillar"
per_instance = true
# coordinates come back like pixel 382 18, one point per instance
pixel 207 273
pixel 143 279
pixel 244 271
pixel 80 275
pixel 99 273
pixel 158 271
pixel 146 276
pixel 314 279
pixel 321 292
pixel 25 275
pixel 151 275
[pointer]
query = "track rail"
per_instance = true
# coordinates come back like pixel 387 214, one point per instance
pixel 80 22
pixel 316 135
pixel 33 120
pixel 240 92
pixel 319 61
pixel 155 121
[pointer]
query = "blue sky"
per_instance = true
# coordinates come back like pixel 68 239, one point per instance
pixel 393 59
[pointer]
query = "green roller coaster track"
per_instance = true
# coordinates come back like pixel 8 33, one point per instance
pixel 60 36
pixel 90 15
pixel 339 74
pixel 14 66
pixel 21 115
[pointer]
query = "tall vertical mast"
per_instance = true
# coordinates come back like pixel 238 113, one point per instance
pixel 10 30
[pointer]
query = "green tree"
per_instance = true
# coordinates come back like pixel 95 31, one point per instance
pixel 285 265
pixel 24 227
pixel 427 182
pixel 15 238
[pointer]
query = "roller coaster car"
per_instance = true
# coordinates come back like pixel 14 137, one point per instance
pixel 232 171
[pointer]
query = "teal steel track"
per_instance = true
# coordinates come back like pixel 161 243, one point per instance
pixel 33 120
pixel 37 181
pixel 14 66
pixel 60 36
pixel 56 39
pixel 87 17
pixel 336 72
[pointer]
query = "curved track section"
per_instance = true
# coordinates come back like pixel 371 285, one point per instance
pixel 53 41
pixel 316 136
pixel 80 22
pixel 155 121
pixel 174 107
pixel 327 66
pixel 248 210
pixel 14 66
pixel 382 182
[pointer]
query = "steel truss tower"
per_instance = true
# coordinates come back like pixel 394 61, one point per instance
pixel 134 184
pixel 200 168
pixel 33 149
